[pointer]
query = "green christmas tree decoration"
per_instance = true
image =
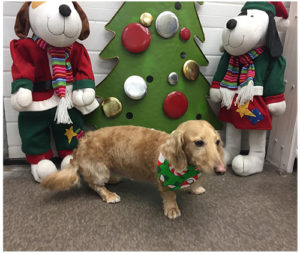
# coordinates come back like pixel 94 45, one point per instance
pixel 164 63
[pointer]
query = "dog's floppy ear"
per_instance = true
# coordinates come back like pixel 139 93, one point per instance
pixel 273 42
pixel 85 31
pixel 173 151
pixel 22 24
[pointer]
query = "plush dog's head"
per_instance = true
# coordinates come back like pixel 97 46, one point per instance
pixel 252 28
pixel 195 143
pixel 59 23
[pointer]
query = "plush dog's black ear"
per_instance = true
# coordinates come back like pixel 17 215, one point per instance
pixel 22 24
pixel 173 151
pixel 273 42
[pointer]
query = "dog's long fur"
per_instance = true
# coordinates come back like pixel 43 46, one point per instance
pixel 133 151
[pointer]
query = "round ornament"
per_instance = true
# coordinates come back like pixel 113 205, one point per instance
pixel 167 24
pixel 136 38
pixel 191 70
pixel 111 107
pixel 173 78
pixel 135 87
pixel 185 33
pixel 146 19
pixel 175 105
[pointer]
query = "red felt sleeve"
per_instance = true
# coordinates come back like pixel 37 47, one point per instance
pixel 82 68
pixel 23 67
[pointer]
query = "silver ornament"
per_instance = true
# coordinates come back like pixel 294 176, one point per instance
pixel 135 87
pixel 167 24
pixel 173 78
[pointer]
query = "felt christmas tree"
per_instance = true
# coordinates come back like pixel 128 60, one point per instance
pixel 157 80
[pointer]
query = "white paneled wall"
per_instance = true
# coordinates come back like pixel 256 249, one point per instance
pixel 213 17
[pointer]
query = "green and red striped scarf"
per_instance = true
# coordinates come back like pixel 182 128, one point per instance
pixel 61 75
pixel 234 77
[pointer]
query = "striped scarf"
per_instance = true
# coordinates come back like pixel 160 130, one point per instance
pixel 238 80
pixel 233 76
pixel 61 66
pixel 61 75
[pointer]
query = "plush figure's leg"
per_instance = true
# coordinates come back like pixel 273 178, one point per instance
pixel 254 161
pixel 35 135
pixel 66 136
pixel 233 143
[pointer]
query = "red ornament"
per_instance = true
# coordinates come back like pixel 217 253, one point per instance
pixel 185 33
pixel 136 38
pixel 175 105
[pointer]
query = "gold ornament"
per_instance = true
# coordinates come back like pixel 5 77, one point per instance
pixel 243 110
pixel 146 19
pixel 70 134
pixel 111 107
pixel 191 70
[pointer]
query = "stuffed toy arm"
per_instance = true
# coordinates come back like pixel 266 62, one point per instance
pixel 274 88
pixel 214 92
pixel 21 99
pixel 83 95
pixel 23 76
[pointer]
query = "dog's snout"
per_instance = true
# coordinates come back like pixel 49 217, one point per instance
pixel 218 172
pixel 64 10
pixel 231 24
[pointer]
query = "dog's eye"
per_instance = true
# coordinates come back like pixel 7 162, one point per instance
pixel 218 142
pixel 199 143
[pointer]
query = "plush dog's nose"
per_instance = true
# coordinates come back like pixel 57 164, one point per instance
pixel 64 10
pixel 231 24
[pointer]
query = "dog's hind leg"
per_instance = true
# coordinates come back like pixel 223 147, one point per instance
pixel 97 175
pixel 171 209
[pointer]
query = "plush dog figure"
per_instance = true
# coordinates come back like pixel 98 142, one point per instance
pixel 249 82
pixel 53 82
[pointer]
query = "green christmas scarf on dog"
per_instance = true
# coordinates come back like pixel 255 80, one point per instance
pixel 174 180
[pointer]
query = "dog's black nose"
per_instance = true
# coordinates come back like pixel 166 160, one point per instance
pixel 231 24
pixel 64 10
pixel 218 172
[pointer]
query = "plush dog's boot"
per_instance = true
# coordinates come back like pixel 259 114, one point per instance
pixel 254 162
pixel 247 165
pixel 66 161
pixel 42 169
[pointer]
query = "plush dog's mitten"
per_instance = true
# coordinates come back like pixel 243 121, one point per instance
pixel 215 95
pixel 277 108
pixel 21 99
pixel 84 100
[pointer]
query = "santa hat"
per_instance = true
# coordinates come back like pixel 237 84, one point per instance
pixel 277 8
pixel 283 23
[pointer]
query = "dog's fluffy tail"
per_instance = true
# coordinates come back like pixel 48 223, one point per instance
pixel 63 179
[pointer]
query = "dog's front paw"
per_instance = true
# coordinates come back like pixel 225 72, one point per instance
pixel 172 212
pixel 198 191
pixel 112 198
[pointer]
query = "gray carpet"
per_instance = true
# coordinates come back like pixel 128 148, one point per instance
pixel 235 214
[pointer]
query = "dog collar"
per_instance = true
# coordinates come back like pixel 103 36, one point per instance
pixel 174 180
